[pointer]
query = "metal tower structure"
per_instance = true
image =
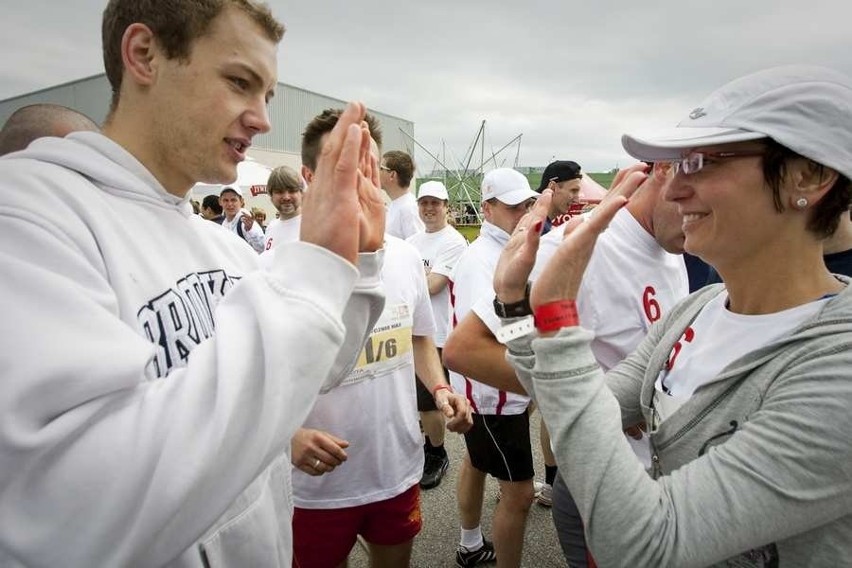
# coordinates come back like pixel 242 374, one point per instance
pixel 463 177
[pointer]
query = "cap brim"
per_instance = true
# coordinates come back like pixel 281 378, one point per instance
pixel 433 196
pixel 517 196
pixel 669 144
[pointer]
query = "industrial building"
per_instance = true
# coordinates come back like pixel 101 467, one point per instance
pixel 289 111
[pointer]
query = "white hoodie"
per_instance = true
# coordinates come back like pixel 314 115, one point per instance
pixel 127 426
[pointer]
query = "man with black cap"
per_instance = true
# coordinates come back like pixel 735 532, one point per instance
pixel 563 177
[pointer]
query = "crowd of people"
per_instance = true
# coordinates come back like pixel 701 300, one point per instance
pixel 200 388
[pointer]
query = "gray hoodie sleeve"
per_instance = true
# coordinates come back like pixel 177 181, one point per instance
pixel 785 472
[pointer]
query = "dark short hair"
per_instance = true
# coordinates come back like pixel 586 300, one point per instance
pixel 322 124
pixel 212 202
pixel 402 164
pixel 826 214
pixel 176 24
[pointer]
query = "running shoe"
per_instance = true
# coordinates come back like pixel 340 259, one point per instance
pixel 466 558
pixel 434 470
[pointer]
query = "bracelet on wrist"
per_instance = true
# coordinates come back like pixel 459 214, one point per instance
pixel 556 315
pixel 448 388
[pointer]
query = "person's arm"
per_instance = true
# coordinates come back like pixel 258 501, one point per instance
pixel 445 263
pixel 437 282
pixel 253 232
pixel 471 350
pixel 427 365
pixel 91 438
pixel 755 488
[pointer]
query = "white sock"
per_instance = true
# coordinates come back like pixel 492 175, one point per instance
pixel 471 539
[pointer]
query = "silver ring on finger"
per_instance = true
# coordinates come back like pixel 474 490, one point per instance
pixel 317 463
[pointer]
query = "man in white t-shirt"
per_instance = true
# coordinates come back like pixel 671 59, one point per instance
pixel 499 442
pixel 372 489
pixel 397 171
pixel 285 187
pixel 635 275
pixel 440 246
pixel 238 220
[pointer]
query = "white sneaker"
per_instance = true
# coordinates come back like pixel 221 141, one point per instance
pixel 544 496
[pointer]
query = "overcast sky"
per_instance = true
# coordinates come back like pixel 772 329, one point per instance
pixel 570 77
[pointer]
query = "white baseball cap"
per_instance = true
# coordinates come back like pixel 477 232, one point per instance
pixel 235 188
pixel 434 189
pixel 507 185
pixel 804 108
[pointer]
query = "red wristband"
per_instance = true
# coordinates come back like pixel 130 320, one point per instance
pixel 440 387
pixel 556 315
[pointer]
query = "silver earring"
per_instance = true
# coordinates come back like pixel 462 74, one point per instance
pixel 801 203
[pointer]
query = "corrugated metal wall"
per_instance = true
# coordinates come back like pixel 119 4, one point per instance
pixel 290 110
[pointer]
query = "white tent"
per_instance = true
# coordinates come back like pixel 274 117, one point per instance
pixel 251 179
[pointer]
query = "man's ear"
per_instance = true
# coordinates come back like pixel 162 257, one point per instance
pixel 307 174
pixel 138 52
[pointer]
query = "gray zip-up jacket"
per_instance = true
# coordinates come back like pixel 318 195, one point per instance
pixel 754 470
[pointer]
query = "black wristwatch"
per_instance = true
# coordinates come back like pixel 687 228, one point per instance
pixel 515 309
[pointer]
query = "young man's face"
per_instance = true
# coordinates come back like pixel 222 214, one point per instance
pixel 564 194
pixel 288 203
pixel 231 204
pixel 433 213
pixel 207 110
pixel 505 216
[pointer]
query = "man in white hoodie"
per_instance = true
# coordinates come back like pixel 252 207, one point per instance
pixel 152 378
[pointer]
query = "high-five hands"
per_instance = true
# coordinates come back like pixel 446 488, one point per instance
pixel 560 279
pixel 343 210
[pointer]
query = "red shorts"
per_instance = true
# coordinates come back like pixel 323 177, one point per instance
pixel 323 538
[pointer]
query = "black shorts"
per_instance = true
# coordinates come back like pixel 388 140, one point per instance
pixel 500 446
pixel 425 400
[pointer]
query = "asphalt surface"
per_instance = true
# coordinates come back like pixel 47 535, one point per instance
pixel 435 546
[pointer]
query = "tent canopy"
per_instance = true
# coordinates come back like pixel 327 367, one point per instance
pixel 252 177
pixel 590 190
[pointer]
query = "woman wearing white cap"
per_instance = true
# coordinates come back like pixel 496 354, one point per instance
pixel 746 388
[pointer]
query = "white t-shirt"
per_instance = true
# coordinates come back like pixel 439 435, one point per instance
pixel 629 283
pixel 717 338
pixel 440 251
pixel 403 220
pixel 282 231
pixel 254 236
pixel 376 407
pixel 473 289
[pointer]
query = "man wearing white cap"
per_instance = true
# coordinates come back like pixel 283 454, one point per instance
pixel 440 246
pixel 499 442
pixel 238 220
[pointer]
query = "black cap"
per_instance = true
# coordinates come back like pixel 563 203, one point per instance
pixel 560 170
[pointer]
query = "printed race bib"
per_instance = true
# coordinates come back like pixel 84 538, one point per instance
pixel 388 347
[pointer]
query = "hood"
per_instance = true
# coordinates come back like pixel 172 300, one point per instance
pixel 107 165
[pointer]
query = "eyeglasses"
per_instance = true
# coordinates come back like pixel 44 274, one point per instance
pixel 695 161
pixel 387 169
pixel 663 169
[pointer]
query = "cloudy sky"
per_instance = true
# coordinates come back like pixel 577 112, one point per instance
pixel 569 76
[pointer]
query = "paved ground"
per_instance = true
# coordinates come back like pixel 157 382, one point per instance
pixel 435 546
